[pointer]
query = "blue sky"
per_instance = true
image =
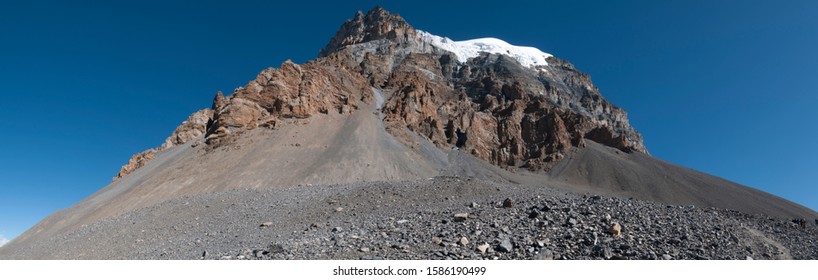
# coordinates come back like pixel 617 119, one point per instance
pixel 725 87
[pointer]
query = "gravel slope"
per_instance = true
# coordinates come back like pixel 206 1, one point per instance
pixel 604 170
pixel 416 220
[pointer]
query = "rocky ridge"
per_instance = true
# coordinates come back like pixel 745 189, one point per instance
pixel 190 129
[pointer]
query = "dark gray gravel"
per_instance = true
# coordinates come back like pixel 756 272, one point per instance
pixel 425 220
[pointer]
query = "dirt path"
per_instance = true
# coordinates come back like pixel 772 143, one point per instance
pixel 784 253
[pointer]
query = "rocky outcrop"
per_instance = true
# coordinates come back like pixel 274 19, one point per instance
pixel 136 161
pixel 291 91
pixel 190 129
pixel 377 24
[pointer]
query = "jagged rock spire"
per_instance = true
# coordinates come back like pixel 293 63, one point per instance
pixel 377 24
pixel 218 102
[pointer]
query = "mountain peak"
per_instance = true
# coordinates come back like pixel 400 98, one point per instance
pixel 377 24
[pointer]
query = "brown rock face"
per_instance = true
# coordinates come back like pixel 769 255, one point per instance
pixel 290 92
pixel 192 128
pixel 496 110
pixel 490 106
pixel 136 161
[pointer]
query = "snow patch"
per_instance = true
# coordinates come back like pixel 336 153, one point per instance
pixel 3 240
pixel 527 56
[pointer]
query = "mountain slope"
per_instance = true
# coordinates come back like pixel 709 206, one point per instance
pixel 603 170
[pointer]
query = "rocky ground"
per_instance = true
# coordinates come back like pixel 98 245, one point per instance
pixel 440 218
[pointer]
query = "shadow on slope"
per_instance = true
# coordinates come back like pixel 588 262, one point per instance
pixel 604 170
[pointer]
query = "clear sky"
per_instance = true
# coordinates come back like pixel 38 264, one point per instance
pixel 725 87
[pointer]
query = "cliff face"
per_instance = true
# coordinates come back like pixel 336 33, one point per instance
pixel 512 109
pixel 490 105
pixel 290 91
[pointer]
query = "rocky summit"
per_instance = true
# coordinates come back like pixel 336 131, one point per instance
pixel 397 143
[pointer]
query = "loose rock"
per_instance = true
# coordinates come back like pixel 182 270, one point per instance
pixel 459 217
pixel 482 248
pixel 505 246
pixel 615 229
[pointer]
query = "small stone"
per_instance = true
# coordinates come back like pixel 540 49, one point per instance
pixel 437 241
pixel 400 222
pixel 459 217
pixel 275 249
pixel 607 217
pixel 482 248
pixel 607 253
pixel 473 205
pixel 667 257
pixel 464 241
pixel 533 214
pixel 749 258
pixel 339 209
pixel 204 254
pixel 259 253
pixel 615 229
pixel 505 246
pixel 545 255
pixel 337 229
pixel 507 203
pixel 266 224
pixel 571 221
pixel 364 249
